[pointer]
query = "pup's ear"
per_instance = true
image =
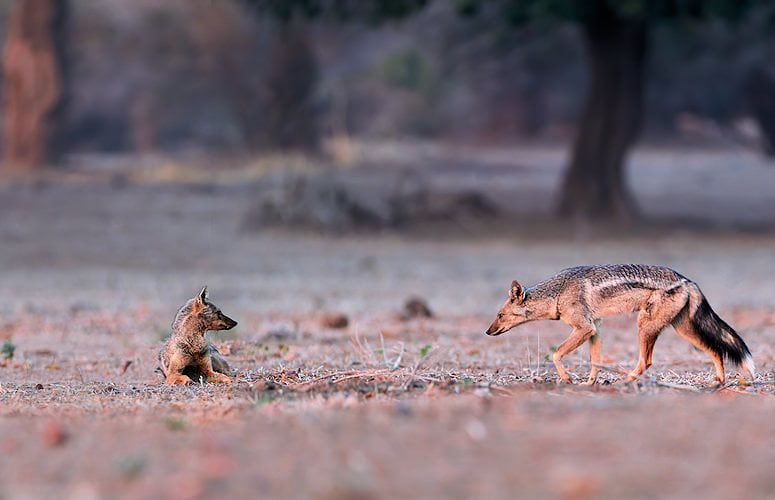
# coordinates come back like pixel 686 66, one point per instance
pixel 201 297
pixel 516 292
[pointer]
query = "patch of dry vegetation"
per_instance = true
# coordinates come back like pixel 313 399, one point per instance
pixel 384 406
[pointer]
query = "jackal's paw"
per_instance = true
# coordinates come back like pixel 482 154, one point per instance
pixel 589 381
pixel 219 378
pixel 177 380
pixel 565 379
pixel 632 376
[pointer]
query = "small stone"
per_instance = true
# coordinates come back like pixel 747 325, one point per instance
pixel 416 307
pixel 334 320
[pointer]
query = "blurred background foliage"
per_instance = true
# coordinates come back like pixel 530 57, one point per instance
pixel 241 77
pixel 224 76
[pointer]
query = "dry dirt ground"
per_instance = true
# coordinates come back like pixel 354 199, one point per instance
pixel 92 273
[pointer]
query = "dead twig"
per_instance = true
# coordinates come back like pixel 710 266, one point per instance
pixel 613 370
pixel 761 383
pixel 667 385
pixel 321 378
pixel 680 387
pixel 345 375
pixel 397 362
pixel 382 346
pixel 360 375
pixel 738 391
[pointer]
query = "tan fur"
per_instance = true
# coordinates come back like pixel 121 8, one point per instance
pixel 581 296
pixel 187 353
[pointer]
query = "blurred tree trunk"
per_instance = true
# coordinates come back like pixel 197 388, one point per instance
pixel 760 91
pixel 229 57
pixel 291 114
pixel 33 93
pixel 594 186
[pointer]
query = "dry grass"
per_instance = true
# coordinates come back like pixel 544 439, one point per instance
pixel 384 408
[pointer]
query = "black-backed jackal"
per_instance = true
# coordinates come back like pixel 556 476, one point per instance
pixel 580 296
pixel 187 355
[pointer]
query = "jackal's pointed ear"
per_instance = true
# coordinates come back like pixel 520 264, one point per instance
pixel 201 297
pixel 516 292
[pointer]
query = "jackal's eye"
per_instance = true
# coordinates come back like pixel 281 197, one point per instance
pixel 500 315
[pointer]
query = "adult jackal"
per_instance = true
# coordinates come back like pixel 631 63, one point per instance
pixel 580 296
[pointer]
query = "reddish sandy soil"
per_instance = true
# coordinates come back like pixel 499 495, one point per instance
pixel 317 413
pixel 93 273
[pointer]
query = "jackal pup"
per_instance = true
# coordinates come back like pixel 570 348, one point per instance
pixel 187 355
pixel 580 296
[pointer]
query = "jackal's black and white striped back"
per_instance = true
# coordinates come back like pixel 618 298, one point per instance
pixel 609 279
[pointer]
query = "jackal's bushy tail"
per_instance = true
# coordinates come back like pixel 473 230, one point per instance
pixel 715 333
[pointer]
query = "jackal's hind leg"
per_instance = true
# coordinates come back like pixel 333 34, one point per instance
pixel 206 365
pixel 594 354
pixel 685 329
pixel 648 333
pixel 660 310
pixel 578 336
pixel 218 362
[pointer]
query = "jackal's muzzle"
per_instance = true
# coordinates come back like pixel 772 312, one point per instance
pixel 494 330
pixel 226 323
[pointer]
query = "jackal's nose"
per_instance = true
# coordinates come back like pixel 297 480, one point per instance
pixel 493 330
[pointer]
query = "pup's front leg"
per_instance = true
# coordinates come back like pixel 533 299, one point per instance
pixel 177 364
pixel 206 366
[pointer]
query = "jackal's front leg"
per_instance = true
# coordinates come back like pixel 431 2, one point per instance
pixel 594 354
pixel 206 366
pixel 578 336
pixel 174 376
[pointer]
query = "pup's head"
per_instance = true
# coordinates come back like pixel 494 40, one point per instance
pixel 512 313
pixel 208 313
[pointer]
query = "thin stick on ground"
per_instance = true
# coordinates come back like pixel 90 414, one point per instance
pixel 374 373
pixel 322 377
pixel 612 369
pixel 680 387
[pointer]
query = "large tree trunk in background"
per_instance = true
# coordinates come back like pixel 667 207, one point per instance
pixel 594 186
pixel 229 55
pixel 33 91
pixel 760 91
pixel 291 114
